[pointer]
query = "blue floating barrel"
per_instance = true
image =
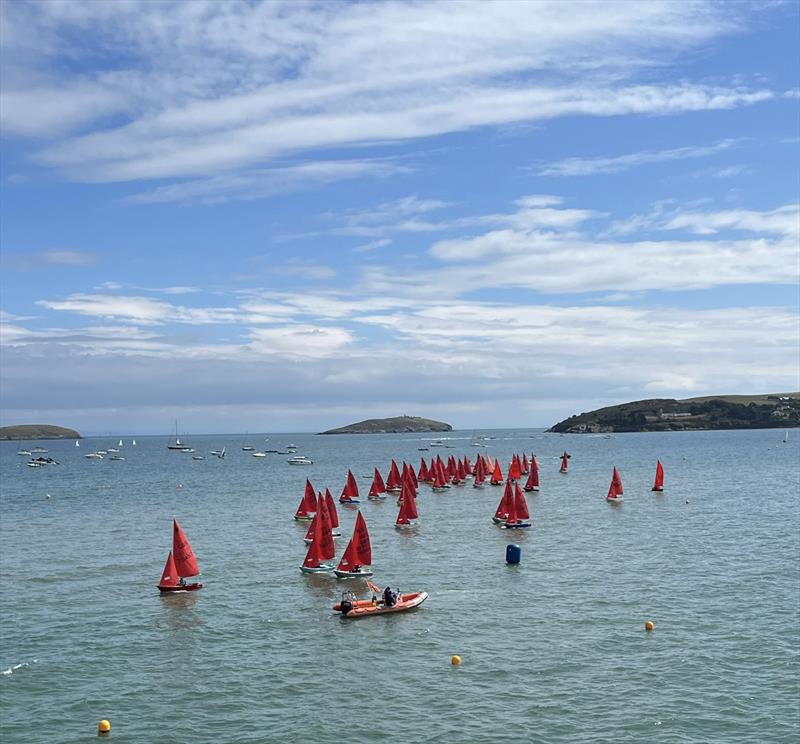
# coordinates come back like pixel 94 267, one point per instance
pixel 513 554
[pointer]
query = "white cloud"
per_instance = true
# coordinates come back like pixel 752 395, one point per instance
pixel 553 250
pixel 211 92
pixel 254 184
pixel 620 163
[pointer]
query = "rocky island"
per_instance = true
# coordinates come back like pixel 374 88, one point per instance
pixel 396 425
pixel 37 431
pixel 771 411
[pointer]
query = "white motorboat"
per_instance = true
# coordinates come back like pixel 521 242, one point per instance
pixel 300 460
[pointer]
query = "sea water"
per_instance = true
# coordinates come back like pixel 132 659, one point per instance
pixel 553 650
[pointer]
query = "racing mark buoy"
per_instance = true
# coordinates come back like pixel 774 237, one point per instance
pixel 649 625
pixel 455 660
pixel 104 727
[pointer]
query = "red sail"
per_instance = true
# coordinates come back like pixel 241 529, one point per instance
pixel 423 470
pixel 169 576
pixel 525 467
pixel 413 476
pixel 504 507
pixel 467 466
pixel 381 486
pixel 402 515
pixel 615 489
pixel 302 509
pixel 361 541
pixel 331 509
pixel 514 469
pixel 564 462
pixel 512 517
pixel 617 481
pixel 438 478
pixel 310 497
pixel 349 558
pixel 185 562
pixel 497 475
pixel 314 554
pixel 312 528
pixel 350 490
pixel 658 485
pixel 373 490
pixel 324 532
pixel 532 484
pixel 520 503
pixel 393 481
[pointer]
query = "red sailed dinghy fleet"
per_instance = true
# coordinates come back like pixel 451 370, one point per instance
pixel 320 519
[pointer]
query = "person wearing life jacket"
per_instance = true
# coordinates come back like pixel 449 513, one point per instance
pixel 389 597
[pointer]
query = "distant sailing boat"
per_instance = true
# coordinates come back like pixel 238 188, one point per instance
pixel 564 462
pixel 334 518
pixel 133 442
pixel 615 489
pixel 120 443
pixel 357 554
pixel 77 443
pixel 181 564
pixel 658 484
pixel 786 438
pixel 378 488
pixel 177 445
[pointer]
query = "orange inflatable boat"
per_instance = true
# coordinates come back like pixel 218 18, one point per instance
pixel 366 607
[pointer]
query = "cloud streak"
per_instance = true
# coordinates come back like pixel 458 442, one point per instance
pixel 620 163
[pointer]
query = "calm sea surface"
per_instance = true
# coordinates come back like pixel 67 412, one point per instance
pixel 554 650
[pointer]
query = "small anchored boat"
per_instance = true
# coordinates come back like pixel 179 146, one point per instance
pixel 299 460
pixel 181 564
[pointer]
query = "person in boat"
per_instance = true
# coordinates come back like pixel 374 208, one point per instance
pixel 182 582
pixel 356 569
pixel 389 597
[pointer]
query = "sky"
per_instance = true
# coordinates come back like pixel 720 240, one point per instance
pixel 290 216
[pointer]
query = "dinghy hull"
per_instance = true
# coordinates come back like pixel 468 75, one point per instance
pixel 176 589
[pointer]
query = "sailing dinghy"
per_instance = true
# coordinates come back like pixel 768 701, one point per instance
pixel 308 504
pixel 658 484
pixel 321 548
pixel 564 462
pixel 181 564
pixel 350 490
pixel 615 489
pixel 517 512
pixel 532 484
pixel 357 554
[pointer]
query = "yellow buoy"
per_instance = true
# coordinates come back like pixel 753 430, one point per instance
pixel 455 660
pixel 104 727
pixel 649 625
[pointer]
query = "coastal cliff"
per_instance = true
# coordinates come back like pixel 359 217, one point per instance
pixel 770 411
pixel 396 425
